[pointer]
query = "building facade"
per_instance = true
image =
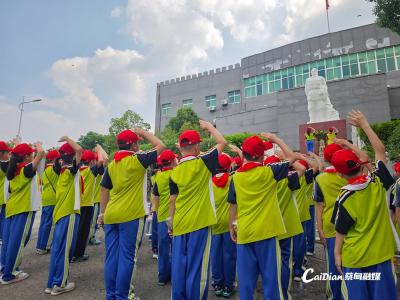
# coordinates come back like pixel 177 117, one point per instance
pixel 265 92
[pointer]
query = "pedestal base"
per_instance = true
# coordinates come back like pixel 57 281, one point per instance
pixel 339 124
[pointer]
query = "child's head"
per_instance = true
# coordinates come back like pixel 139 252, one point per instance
pixel 67 153
pixel 4 151
pixel 22 153
pixel 166 159
pixel 128 140
pixel 189 142
pixel 330 150
pixel 236 162
pixel 52 155
pixel 309 130
pixel 253 149
pixel 88 157
pixel 224 162
pixel 347 163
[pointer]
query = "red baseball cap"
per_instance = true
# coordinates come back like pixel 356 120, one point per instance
pixel 254 146
pixel 345 161
pixel 268 145
pixel 396 167
pixel 331 129
pixel 238 161
pixel 66 149
pixel 4 147
pixel 272 159
pixel 224 161
pixel 22 150
pixel 189 137
pixel 166 157
pixel 127 137
pixel 304 163
pixel 88 155
pixel 52 155
pixel 330 150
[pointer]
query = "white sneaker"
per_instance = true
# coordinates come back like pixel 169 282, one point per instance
pixel 297 278
pixel 41 252
pixel 19 277
pixel 47 291
pixel 310 253
pixel 59 290
pixel 155 256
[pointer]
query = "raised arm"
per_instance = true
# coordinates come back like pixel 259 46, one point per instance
pixel 361 154
pixel 218 137
pixel 151 138
pixel 357 119
pixel 40 154
pixel 318 160
pixel 236 150
pixel 287 151
pixel 78 149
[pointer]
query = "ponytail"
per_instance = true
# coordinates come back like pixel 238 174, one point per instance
pixel 13 165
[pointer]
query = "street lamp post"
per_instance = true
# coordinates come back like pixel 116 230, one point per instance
pixel 21 109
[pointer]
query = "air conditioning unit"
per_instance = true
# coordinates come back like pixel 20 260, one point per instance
pixel 224 102
pixel 212 108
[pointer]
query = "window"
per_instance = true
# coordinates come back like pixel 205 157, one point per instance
pixel 166 109
pixel 234 97
pixel 211 100
pixel 334 68
pixel 187 103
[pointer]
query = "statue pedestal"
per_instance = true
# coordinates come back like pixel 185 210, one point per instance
pixel 339 124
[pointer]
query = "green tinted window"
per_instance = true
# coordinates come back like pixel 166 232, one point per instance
pixel 277 75
pixel 285 84
pixel 398 62
pixel 363 69
pixel 391 65
pixel 290 71
pixel 299 80
pixel 336 61
pixel 397 50
pixel 291 82
pixel 362 57
pixel 329 74
pixel 389 52
pixel 381 65
pixel 345 59
pixel 354 70
pixel 271 87
pixel 346 71
pixel 380 53
pixel 372 67
pixel 277 85
pixel 306 68
pixel 338 73
pixel 329 63
pixel 353 58
pixel 371 55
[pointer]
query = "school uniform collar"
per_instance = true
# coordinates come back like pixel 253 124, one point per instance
pixel 119 155
pixel 358 183
pixel 187 158
pixel 166 169
pixel 249 165
pixel 330 169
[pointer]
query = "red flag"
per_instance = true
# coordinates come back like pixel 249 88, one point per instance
pixel 327 4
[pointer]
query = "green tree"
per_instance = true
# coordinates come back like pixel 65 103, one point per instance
pixel 91 139
pixel 185 118
pixel 128 120
pixel 388 13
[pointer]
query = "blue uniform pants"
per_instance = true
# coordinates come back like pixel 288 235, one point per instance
pixel 333 287
pixel 310 146
pixel 2 219
pixel 17 231
pixel 286 246
pixel 259 257
pixel 223 260
pixel 310 230
pixel 62 250
pixel 299 251
pixel 122 243
pixel 384 288
pixel 46 228
pixel 164 253
pixel 190 265
pixel 154 233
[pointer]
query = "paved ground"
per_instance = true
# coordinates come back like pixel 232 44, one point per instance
pixel 88 277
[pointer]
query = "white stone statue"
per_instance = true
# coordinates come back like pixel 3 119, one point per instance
pixel 320 107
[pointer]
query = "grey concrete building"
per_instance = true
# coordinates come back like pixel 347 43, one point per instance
pixel 265 92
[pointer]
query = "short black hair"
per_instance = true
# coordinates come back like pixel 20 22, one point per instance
pixel 248 157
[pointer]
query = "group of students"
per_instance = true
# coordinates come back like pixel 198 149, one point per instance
pixel 67 190
pixel 248 216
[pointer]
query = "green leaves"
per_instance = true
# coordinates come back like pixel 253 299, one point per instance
pixel 388 13
pixel 128 120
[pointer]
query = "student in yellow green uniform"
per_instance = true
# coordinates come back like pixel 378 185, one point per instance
pixel 223 249
pixel 192 212
pixel 327 187
pixel 310 136
pixel 166 161
pixel 21 207
pixel 123 205
pixel 291 220
pixel 88 172
pixel 65 217
pixel 4 158
pixel 255 218
pixel 50 178
pixel 365 240
pixel 101 159
pixel 331 135
pixel 154 219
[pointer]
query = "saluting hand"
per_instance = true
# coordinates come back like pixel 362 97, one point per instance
pixel 357 119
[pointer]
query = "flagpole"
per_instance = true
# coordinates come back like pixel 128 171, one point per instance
pixel 327 15
pixel 327 20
